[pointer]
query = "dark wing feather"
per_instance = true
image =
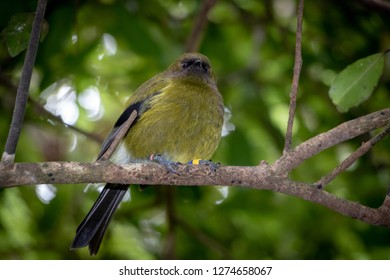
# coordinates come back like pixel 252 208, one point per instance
pixel 140 107
pixel 121 120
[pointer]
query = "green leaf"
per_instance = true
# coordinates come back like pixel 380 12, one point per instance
pixel 18 30
pixel 356 82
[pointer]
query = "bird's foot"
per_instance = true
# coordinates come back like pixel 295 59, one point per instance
pixel 171 166
pixel 212 165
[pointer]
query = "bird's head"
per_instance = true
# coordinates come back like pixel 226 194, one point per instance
pixel 192 65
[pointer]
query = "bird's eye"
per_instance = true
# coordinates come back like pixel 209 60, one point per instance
pixel 205 67
pixel 186 64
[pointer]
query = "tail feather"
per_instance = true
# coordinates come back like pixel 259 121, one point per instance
pixel 91 230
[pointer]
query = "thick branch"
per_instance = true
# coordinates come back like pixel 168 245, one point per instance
pixel 259 177
pixel 105 171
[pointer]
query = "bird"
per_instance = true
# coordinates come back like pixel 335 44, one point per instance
pixel 179 119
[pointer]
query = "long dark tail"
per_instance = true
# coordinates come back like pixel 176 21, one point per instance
pixel 91 230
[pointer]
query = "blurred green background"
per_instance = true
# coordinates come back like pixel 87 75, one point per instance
pixel 96 53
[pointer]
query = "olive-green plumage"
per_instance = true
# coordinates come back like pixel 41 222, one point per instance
pixel 179 115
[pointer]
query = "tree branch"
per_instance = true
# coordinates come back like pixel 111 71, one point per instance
pixel 24 85
pixel 196 36
pixel 258 177
pixel 295 81
pixel 264 176
pixel 337 135
pixel 364 148
pixel 379 5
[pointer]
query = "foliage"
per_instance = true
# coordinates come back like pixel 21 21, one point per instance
pixel 97 52
pixel 356 82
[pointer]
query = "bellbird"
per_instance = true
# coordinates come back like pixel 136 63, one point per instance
pixel 179 117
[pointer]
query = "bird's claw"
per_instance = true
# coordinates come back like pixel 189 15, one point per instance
pixel 212 165
pixel 171 166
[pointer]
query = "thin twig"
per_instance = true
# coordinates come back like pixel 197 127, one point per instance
pixel 119 136
pixel 364 148
pixel 24 85
pixel 196 36
pixel 43 112
pixel 295 81
pixel 379 5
